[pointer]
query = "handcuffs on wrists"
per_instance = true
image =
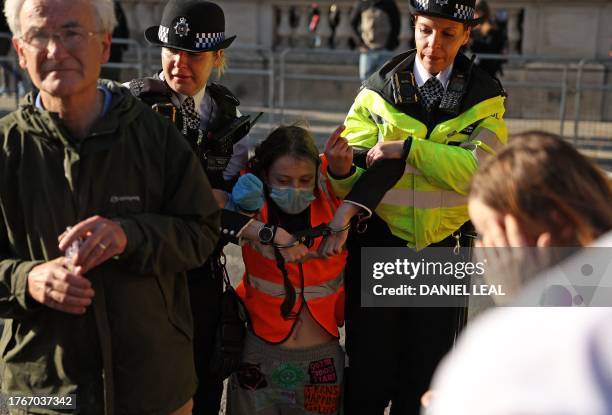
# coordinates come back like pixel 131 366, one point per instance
pixel 303 237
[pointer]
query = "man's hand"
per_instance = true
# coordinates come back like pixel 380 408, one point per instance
pixel 385 150
pixel 53 285
pixel 103 239
pixel 339 154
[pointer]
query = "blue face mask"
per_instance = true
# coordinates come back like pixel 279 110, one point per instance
pixel 292 200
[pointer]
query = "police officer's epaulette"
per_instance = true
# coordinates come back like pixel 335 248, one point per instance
pixel 502 91
pixel 221 93
pixel 150 90
pixel 457 87
pixel 226 104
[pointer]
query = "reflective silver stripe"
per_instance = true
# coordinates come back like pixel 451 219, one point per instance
pixel 410 169
pixel 323 182
pixel 424 200
pixel 363 207
pixel 377 118
pixel 489 138
pixel 310 292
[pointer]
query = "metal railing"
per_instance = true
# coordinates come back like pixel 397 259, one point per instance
pixel 562 85
pixel 533 92
pixel 269 72
pixel 139 65
pixel 568 85
pixel 283 76
pixel 10 65
pixel 152 63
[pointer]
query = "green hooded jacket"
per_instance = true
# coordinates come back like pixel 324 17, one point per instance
pixel 131 353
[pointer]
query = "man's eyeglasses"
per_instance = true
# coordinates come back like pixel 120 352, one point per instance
pixel 70 38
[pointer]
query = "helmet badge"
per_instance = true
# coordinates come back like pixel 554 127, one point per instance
pixel 182 27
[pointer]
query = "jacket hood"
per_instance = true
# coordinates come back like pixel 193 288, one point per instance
pixel 123 107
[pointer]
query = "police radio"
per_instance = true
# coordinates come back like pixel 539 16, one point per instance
pixel 219 147
pixel 404 88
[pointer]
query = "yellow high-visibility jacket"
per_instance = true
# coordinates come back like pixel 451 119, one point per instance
pixel 429 202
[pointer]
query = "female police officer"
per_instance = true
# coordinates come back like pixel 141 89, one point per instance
pixel 193 41
pixel 422 122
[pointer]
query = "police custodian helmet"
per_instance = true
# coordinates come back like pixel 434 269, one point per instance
pixel 190 25
pixel 458 10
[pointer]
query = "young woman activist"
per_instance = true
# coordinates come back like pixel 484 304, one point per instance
pixel 292 362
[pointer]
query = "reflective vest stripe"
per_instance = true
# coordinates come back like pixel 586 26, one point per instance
pixel 311 292
pixel 324 185
pixel 410 169
pixel 489 143
pixel 377 118
pixel 424 200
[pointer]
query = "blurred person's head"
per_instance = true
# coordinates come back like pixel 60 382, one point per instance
pixel 287 162
pixel 61 43
pixel 547 187
pixel 440 30
pixel 483 11
pixel 193 41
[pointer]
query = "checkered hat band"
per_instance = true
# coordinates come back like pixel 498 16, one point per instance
pixel 209 40
pixel 421 4
pixel 463 12
pixel 162 33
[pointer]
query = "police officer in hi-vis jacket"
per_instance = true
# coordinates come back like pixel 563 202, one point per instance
pixel 413 138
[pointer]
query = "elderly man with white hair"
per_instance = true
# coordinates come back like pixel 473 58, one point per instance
pixel 104 207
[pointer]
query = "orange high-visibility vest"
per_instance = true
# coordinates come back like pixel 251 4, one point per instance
pixel 262 289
